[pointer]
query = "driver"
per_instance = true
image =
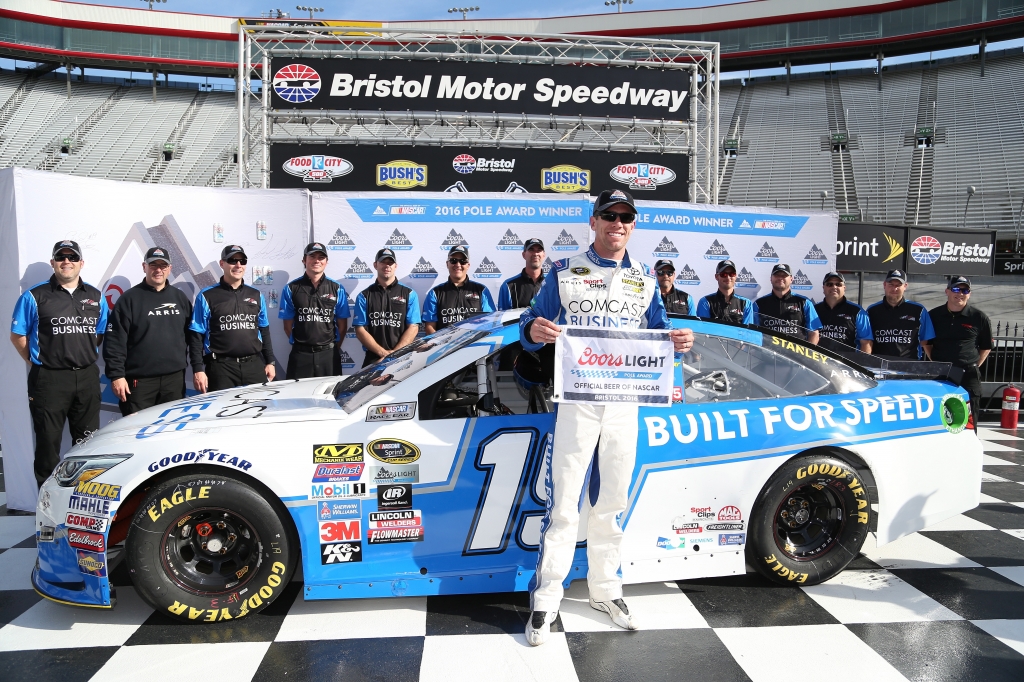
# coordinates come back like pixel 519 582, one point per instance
pixel 594 279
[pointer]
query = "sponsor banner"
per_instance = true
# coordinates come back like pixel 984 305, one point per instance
pixel 950 252
pixel 1009 264
pixel 608 366
pixel 865 247
pixel 478 169
pixel 548 89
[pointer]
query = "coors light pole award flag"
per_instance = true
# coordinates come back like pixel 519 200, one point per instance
pixel 606 366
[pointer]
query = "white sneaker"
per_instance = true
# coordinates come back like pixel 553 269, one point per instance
pixel 618 612
pixel 539 626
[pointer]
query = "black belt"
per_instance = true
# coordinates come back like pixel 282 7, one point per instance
pixel 228 358
pixel 65 369
pixel 310 348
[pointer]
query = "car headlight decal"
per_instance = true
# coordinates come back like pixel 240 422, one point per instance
pixel 83 468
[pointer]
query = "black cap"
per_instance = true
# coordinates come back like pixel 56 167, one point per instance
pixel 662 263
pixel 836 275
pixel 782 267
pixel 959 281
pixel 232 250
pixel 459 249
pixel 531 242
pixel 385 253
pixel 314 247
pixel 158 253
pixel 725 265
pixel 69 245
pixel 898 275
pixel 610 197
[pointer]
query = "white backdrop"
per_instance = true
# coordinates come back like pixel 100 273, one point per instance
pixel 115 222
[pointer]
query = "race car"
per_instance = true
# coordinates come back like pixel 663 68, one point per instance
pixel 774 454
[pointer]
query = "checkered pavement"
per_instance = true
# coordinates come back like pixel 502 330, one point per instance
pixel 943 604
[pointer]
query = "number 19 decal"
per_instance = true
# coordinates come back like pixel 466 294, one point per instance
pixel 504 455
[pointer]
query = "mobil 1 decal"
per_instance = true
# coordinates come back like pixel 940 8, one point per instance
pixel 400 85
pixel 663 177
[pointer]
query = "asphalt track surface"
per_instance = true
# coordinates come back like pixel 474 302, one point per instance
pixel 943 604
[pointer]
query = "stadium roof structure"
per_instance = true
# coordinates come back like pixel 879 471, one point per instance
pixel 754 34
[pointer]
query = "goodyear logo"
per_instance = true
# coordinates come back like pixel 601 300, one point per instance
pixel 401 174
pixel 104 491
pixel 337 453
pixel 565 178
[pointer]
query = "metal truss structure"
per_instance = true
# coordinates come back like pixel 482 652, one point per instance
pixel 259 125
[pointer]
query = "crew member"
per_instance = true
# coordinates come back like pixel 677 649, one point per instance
pixel 147 343
pixel 458 298
pixel 231 346
pixel 675 300
pixel 842 320
pixel 574 284
pixel 57 327
pixel 387 313
pixel 724 305
pixel 315 311
pixel 899 326
pixel 784 312
pixel 518 291
pixel 963 336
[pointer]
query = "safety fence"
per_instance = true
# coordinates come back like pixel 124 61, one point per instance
pixel 1005 364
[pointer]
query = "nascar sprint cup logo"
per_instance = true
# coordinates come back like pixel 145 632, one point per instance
pixel 317 168
pixel 643 175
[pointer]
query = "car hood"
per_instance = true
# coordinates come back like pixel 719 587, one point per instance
pixel 303 400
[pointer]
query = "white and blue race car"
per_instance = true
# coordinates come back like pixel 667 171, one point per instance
pixel 422 476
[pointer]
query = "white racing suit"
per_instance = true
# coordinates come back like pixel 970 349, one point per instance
pixel 589 291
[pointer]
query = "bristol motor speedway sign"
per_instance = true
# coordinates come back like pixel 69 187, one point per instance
pixel 950 252
pixel 485 87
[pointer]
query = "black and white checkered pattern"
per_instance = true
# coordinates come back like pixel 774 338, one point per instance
pixel 943 604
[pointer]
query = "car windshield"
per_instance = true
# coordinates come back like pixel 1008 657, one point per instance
pixel 355 390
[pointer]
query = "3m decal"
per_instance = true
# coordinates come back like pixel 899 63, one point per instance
pixel 336 531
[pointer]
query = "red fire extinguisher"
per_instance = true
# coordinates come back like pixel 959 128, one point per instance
pixel 1011 401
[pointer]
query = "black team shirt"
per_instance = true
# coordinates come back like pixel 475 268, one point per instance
pixel 959 336
pixel 229 323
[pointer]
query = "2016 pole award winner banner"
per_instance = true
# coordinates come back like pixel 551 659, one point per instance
pixel 613 366
pixel 115 223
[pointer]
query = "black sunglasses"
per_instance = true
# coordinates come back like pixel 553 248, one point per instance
pixel 665 271
pixel 834 284
pixel 611 216
pixel 73 257
pixel 960 290
pixel 458 261
pixel 237 261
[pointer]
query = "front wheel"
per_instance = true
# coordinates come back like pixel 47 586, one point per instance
pixel 810 521
pixel 209 548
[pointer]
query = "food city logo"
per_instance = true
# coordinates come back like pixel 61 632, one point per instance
pixel 687 275
pixel 766 254
pixel 317 167
pixel 296 83
pixel 815 256
pixel 666 249
pixel 453 239
pixel 510 241
pixel 341 242
pixel 565 242
pixel 337 453
pixel 465 164
pixel 401 174
pixel 716 251
pixel 393 451
pixel 487 268
pixel 565 178
pixel 927 250
pixel 423 270
pixel 209 455
pixel 398 241
pixel 745 278
pixel 643 175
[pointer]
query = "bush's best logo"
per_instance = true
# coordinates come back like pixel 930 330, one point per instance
pixel 565 178
pixel 337 453
pixel 296 83
pixel 643 175
pixel 401 174
pixel 393 451
pixel 317 168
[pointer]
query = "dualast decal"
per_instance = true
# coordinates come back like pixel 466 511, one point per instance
pixel 482 87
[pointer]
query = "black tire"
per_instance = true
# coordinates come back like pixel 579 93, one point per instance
pixel 809 522
pixel 209 548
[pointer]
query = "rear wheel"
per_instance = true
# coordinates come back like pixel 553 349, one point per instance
pixel 209 548
pixel 810 521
